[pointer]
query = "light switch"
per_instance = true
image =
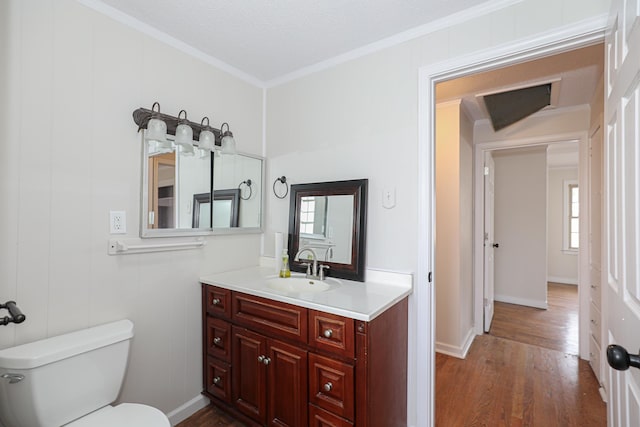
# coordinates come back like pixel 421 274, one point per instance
pixel 388 198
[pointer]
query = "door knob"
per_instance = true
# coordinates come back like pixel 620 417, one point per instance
pixel 620 359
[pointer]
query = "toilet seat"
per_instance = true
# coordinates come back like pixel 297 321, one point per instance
pixel 123 415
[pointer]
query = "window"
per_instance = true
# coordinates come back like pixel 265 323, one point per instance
pixel 307 214
pixel 571 223
pixel 574 222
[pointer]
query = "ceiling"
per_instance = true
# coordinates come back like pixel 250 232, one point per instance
pixel 270 39
pixel 575 73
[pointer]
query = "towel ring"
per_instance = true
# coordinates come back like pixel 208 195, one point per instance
pixel 282 180
pixel 248 184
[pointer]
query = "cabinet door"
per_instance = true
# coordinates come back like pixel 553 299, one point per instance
pixel 249 374
pixel 287 377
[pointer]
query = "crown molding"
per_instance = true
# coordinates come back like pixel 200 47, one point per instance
pixel 414 33
pixel 153 32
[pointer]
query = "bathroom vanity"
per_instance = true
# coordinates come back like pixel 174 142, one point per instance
pixel 281 358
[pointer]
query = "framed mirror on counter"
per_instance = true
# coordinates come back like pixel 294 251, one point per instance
pixel 177 188
pixel 331 219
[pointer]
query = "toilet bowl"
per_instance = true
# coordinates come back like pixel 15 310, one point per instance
pixel 72 380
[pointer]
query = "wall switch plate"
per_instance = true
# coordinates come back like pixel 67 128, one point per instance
pixel 117 222
pixel 388 198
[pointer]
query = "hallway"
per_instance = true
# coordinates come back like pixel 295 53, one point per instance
pixel 524 373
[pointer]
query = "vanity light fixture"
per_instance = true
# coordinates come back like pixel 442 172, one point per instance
pixel 228 143
pixel 188 135
pixel 157 131
pixel 207 139
pixel 184 134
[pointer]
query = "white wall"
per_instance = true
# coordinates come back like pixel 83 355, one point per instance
pixel 453 272
pixel 360 119
pixel 78 70
pixel 521 226
pixel 71 79
pixel 562 267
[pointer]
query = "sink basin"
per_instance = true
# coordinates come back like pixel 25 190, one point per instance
pixel 301 284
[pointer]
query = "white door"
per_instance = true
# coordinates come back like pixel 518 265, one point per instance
pixel 622 209
pixel 489 241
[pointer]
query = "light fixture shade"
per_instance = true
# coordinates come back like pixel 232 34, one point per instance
pixel 207 140
pixel 228 143
pixel 156 127
pixel 184 133
pixel 156 130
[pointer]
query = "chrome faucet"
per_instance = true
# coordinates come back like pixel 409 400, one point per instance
pixel 313 274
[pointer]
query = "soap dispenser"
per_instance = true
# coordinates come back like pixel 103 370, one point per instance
pixel 284 268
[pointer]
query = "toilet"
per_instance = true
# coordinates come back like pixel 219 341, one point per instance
pixel 71 380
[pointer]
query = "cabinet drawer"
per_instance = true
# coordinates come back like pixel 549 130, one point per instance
pixel 271 317
pixel 218 379
pixel 320 418
pixel 331 385
pixel 218 301
pixel 331 333
pixel 218 338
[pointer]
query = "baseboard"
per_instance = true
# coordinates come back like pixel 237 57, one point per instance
pixel 189 408
pixel 563 280
pixel 457 351
pixel 521 301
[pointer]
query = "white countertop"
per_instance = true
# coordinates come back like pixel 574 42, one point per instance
pixel 357 300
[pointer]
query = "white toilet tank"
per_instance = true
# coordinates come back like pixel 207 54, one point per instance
pixel 62 378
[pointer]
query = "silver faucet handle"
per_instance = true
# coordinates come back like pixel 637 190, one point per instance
pixel 306 264
pixel 321 269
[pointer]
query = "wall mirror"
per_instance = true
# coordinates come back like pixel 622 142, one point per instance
pixel 177 189
pixel 330 218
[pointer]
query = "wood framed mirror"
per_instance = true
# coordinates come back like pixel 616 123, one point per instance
pixel 331 219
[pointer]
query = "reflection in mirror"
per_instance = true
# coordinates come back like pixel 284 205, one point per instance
pixel 230 176
pixel 330 218
pixel 177 187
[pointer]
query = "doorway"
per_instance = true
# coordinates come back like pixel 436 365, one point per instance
pixel 423 310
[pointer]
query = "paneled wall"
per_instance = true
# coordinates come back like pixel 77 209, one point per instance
pixel 70 153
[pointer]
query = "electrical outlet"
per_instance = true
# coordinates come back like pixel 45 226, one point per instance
pixel 117 222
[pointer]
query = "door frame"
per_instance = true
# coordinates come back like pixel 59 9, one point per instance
pixel 422 310
pixel 582 139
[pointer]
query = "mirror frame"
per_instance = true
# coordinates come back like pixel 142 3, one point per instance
pixel 145 232
pixel 358 188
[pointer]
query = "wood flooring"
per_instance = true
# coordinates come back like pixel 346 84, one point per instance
pixel 555 328
pixel 523 374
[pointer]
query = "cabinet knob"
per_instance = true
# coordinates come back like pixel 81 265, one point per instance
pixel 216 301
pixel 266 360
pixel 217 380
pixel 360 327
pixel 327 333
pixel 217 340
pixel 261 359
pixel 327 387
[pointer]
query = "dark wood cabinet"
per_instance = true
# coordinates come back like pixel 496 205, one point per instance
pixel 275 364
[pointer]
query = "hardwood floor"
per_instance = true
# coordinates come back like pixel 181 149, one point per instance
pixel 555 328
pixel 523 374
pixel 507 383
pixel 210 417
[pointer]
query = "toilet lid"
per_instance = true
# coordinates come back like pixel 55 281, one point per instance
pixel 124 415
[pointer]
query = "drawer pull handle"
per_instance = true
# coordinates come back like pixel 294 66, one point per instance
pixel 217 380
pixel 327 386
pixel 266 360
pixel 327 333
pixel 217 340
pixel 216 301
